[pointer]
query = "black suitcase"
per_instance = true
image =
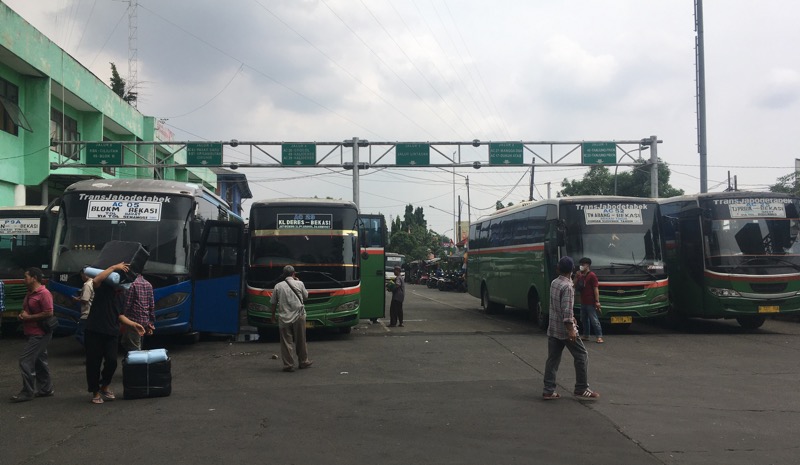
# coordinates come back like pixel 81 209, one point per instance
pixel 143 380
pixel 114 252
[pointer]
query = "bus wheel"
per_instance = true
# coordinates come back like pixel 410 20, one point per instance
pixel 345 330
pixel 491 307
pixel 751 322
pixel 541 319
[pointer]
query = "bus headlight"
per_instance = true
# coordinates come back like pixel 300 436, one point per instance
pixel 347 306
pixel 721 292
pixel 659 298
pixel 171 300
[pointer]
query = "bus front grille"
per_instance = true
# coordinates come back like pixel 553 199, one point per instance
pixel 768 288
pixel 622 291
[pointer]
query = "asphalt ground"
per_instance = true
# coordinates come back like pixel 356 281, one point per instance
pixel 454 386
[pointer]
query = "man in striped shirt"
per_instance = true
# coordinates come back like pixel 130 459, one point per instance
pixel 563 332
pixel 139 308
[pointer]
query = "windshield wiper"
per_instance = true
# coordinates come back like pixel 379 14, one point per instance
pixel 322 273
pixel 637 266
pixel 768 257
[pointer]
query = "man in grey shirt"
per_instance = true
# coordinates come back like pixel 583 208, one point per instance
pixel 288 297
pixel 398 295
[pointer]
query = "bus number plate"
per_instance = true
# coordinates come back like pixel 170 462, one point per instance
pixel 768 309
pixel 621 319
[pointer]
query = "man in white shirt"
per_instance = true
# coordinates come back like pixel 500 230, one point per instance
pixel 288 297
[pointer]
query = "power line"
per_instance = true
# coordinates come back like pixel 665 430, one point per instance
pixel 390 68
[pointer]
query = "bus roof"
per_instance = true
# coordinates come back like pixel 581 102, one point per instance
pixel 144 186
pixel 726 195
pixel 564 200
pixel 32 209
pixel 302 202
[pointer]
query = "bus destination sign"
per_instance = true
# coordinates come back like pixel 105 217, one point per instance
pixel 19 227
pixel 757 208
pixel 305 221
pixel 613 214
pixel 123 210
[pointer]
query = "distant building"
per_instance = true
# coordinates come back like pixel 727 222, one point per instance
pixel 232 187
pixel 46 95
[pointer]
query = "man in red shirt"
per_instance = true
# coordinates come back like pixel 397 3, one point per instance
pixel 36 307
pixel 586 281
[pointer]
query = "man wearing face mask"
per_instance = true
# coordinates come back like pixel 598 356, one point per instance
pixel 587 285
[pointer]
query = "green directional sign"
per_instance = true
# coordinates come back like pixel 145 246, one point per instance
pixel 205 154
pixel 413 154
pixel 505 153
pixel 104 153
pixel 298 154
pixel 599 153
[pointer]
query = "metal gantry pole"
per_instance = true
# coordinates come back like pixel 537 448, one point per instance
pixel 355 174
pixel 654 167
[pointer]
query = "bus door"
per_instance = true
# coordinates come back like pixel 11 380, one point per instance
pixel 218 278
pixel 373 242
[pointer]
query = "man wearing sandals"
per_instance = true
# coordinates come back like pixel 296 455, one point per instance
pixel 288 297
pixel 563 332
pixel 102 334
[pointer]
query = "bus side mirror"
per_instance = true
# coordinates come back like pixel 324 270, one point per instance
pixel 44 227
pixel 364 255
pixel 195 232
pixel 561 238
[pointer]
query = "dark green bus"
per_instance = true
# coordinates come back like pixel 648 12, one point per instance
pixel 733 255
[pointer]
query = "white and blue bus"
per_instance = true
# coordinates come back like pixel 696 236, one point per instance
pixel 194 239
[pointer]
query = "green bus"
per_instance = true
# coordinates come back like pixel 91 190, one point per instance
pixel 513 255
pixel 733 255
pixel 372 240
pixel 24 243
pixel 319 238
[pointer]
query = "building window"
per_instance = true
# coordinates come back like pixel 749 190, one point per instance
pixel 64 128
pixel 11 117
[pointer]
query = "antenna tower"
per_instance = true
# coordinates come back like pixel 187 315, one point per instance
pixel 133 74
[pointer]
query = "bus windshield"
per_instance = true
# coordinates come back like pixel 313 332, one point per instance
pixel 615 236
pixel 741 240
pixel 19 251
pixel 82 232
pixel 320 242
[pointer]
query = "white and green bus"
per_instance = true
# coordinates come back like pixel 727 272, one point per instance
pixel 733 255
pixel 513 255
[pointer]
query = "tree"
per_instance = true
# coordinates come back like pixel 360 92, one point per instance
pixel 118 85
pixel 788 184
pixel 635 183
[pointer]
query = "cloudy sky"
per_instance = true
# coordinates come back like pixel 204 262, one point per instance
pixel 447 70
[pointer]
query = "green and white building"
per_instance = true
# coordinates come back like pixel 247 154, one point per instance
pixel 46 95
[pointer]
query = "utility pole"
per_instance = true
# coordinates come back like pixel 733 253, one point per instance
pixel 458 232
pixel 533 170
pixel 469 215
pixel 701 95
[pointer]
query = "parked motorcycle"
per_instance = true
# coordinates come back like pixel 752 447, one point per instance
pixel 447 282
pixel 423 278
